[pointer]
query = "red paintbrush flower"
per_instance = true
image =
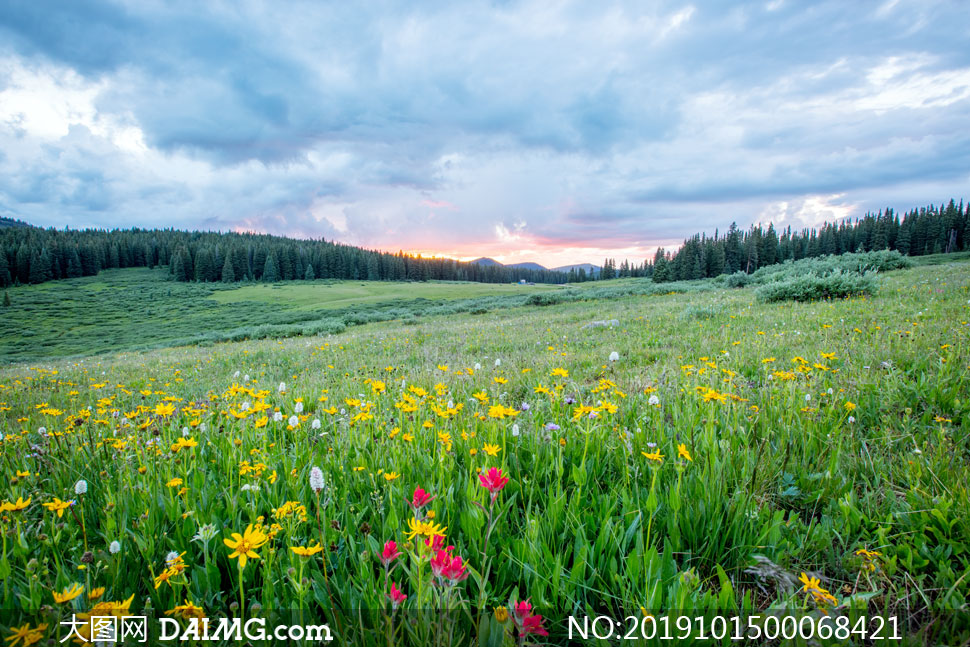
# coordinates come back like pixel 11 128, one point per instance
pixel 526 621
pixel 420 499
pixel 493 481
pixel 449 568
pixel 437 543
pixel 390 553
pixel 395 596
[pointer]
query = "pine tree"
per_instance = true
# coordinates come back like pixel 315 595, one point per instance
pixel 660 269
pixel 228 272
pixel 73 264
pixel 5 278
pixel 6 299
pixel 269 270
pixel 309 275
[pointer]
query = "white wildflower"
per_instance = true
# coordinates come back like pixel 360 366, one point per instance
pixel 478 366
pixel 299 407
pixel 316 479
pixel 115 547
pixel 315 424
pixel 282 388
pixel 851 419
pixel 614 356
pixel 294 421
pixel 654 400
pixel 498 362
pixel 81 487
pixel 808 397
pixel 277 416
pixel 515 430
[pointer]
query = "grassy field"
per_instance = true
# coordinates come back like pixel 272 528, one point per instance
pixel 122 310
pixel 341 294
pixel 733 457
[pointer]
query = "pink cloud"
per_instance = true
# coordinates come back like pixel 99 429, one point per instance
pixel 439 204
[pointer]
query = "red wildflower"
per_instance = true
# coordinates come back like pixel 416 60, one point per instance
pixel 527 623
pixel 447 567
pixel 395 596
pixel 390 553
pixel 420 499
pixel 493 481
pixel 436 543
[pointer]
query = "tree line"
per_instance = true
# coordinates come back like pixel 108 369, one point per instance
pixel 928 230
pixel 35 255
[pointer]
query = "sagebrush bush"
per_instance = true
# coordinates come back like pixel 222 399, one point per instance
pixel 737 280
pixel 861 262
pixel 812 287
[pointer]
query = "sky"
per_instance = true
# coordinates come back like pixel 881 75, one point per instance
pixel 547 131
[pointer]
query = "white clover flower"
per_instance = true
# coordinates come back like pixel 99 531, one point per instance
pixel 246 405
pixel 478 366
pixel 115 547
pixel 299 407
pixel 81 487
pixel 171 558
pixel 202 427
pixel 42 431
pixel 515 430
pixel 277 416
pixel 185 432
pixel 236 374
pixel 654 400
pixel 282 387
pixel 316 479
pixel 294 421
pixel 246 377
pixel 498 362
pixel 614 356
pixel 315 424
pixel 851 419
pixel 917 451
pixel 808 397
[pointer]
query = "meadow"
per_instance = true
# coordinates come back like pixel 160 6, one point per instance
pixel 479 475
pixel 139 308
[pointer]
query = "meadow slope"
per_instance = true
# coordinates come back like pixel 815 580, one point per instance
pixel 733 457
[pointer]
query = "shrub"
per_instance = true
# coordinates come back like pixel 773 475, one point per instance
pixel 544 299
pixel 811 287
pixel 737 280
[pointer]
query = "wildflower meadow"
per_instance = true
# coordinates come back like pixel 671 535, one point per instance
pixel 482 478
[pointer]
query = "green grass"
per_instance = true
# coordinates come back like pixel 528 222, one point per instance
pixel 122 310
pixel 781 481
pixel 341 294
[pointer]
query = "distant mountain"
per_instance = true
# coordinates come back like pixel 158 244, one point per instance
pixel 589 267
pixel 527 266
pixel 484 260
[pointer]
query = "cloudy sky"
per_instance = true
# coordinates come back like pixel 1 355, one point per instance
pixel 539 130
